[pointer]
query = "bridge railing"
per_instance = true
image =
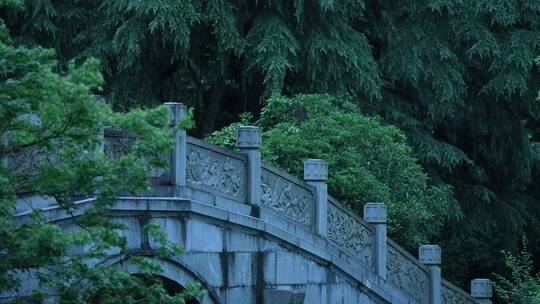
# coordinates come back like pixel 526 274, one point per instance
pixel 241 176
pixel 452 294
pixel 117 142
pixel 350 232
pixel 407 273
pixel 215 169
pixel 287 195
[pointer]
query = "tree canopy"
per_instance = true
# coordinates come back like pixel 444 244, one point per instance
pixel 458 77
pixel 50 126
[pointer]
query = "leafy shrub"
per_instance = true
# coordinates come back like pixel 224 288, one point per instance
pixel 368 161
pixel 523 286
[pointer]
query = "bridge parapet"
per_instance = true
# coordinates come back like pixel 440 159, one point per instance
pixel 230 174
pixel 407 273
pixel 288 195
pixel 350 232
pixel 217 170
pixel 212 174
pixel 452 294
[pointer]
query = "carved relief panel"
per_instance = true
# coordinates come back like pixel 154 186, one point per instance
pixel 347 232
pixel 451 297
pixel 287 198
pixel 26 160
pixel 216 171
pixel 407 276
pixel 117 143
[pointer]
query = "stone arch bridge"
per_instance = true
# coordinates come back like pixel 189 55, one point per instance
pixel 255 234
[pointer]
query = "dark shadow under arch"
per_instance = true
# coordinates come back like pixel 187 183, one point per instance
pixel 171 286
pixel 174 272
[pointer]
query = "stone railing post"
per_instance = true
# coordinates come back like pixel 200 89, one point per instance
pixel 178 155
pixel 377 214
pixel 482 290
pixel 248 140
pixel 316 174
pixel 430 255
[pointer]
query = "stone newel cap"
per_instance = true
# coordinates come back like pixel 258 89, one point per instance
pixel 178 111
pixel 315 170
pixel 248 137
pixel 430 254
pixel 375 213
pixel 481 288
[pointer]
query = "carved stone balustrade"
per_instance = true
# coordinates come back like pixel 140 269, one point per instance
pixel 288 196
pixel 406 273
pixel 348 231
pixel 430 254
pixel 452 294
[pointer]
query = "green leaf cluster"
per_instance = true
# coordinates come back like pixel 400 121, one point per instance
pixel 51 131
pixel 522 286
pixel 458 77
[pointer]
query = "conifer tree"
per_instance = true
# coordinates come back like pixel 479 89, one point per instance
pixel 458 77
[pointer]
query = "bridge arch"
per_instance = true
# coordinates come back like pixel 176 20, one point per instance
pixel 255 234
pixel 176 272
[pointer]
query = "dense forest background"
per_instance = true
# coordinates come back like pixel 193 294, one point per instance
pixel 459 78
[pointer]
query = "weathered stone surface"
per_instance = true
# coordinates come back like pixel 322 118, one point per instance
pixel 407 276
pixel 248 137
pixel 240 295
pixel 375 213
pixel 215 171
pixel 274 296
pixel 287 198
pixel 203 237
pixel 240 269
pixel 291 268
pixel 449 296
pixel 315 170
pixel 481 288
pixel 205 265
pixel 430 254
pixel 174 229
pixel 239 241
pixel 317 273
pixel 132 231
pixel 347 232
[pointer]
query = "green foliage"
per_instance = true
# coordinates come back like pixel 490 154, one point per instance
pixel 368 161
pixel 523 286
pixel 54 121
pixel 458 77
pixel 197 51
